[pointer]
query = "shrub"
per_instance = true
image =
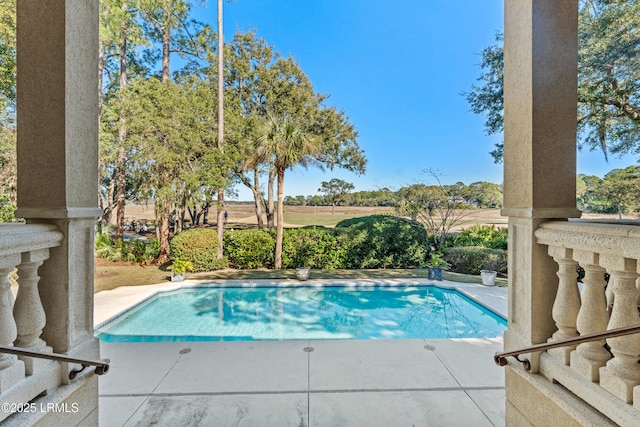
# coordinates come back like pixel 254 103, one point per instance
pixel 105 247
pixel 470 260
pixel 132 251
pixel 180 266
pixel 139 250
pixel 199 246
pixel 152 249
pixel 381 241
pixel 250 248
pixel 7 209
pixel 486 236
pixel 315 247
pixel 436 260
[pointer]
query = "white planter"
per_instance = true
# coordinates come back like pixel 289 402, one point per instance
pixel 178 277
pixel 302 273
pixel 488 277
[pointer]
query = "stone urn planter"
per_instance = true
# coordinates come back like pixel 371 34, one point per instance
pixel 434 273
pixel 175 277
pixel 435 265
pixel 302 273
pixel 488 277
pixel 179 270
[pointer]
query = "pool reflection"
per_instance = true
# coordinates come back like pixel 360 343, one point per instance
pixel 212 314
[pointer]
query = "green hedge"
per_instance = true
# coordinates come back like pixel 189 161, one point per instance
pixel 200 247
pixel 377 241
pixel 249 249
pixel 315 247
pixel 486 236
pixel 470 260
pixel 382 241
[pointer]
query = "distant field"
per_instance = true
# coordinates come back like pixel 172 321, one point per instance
pixel 243 215
pixel 321 215
pixel 300 216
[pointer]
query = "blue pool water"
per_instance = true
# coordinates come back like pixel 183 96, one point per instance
pixel 233 314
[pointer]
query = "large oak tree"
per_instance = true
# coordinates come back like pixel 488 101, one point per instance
pixel 608 79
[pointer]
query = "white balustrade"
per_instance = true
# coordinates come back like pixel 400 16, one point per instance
pixel 27 310
pixel 622 372
pixel 10 368
pixel 605 374
pixel 22 319
pixel 593 317
pixel 567 302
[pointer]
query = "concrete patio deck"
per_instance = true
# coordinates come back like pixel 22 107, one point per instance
pixel 423 382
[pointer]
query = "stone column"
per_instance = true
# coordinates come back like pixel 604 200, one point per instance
pixel 57 147
pixel 540 88
pixel 57 116
pixel 540 110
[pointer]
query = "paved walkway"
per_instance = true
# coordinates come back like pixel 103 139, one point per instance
pixel 386 383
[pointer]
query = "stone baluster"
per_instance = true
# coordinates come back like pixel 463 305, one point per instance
pixel 622 373
pixel 609 293
pixel 11 369
pixel 28 311
pixel 636 389
pixel 593 317
pixel 8 331
pixel 567 303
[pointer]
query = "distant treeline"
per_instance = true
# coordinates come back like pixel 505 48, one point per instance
pixel 480 194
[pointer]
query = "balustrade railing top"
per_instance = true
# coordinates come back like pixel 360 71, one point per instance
pixel 19 238
pixel 599 237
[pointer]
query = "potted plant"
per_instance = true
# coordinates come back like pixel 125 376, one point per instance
pixel 435 265
pixel 488 273
pixel 302 273
pixel 179 269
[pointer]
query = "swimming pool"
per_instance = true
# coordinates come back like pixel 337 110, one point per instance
pixel 286 313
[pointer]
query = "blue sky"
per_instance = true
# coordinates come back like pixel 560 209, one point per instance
pixel 396 69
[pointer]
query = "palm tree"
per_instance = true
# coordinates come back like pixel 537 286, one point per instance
pixel 221 211
pixel 285 143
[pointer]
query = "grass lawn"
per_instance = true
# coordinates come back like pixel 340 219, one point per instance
pixel 112 275
pixel 323 219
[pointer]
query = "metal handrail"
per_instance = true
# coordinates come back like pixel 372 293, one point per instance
pixel 501 357
pixel 101 367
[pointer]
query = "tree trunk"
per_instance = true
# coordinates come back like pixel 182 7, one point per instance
pixel 122 134
pixel 221 213
pixel 179 224
pixel 258 200
pixel 164 208
pixel 220 224
pixel 107 208
pixel 280 221
pixel 100 78
pixel 205 213
pixel 270 207
pixel 192 213
pixel 166 42
pixel 163 235
pixel 122 173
